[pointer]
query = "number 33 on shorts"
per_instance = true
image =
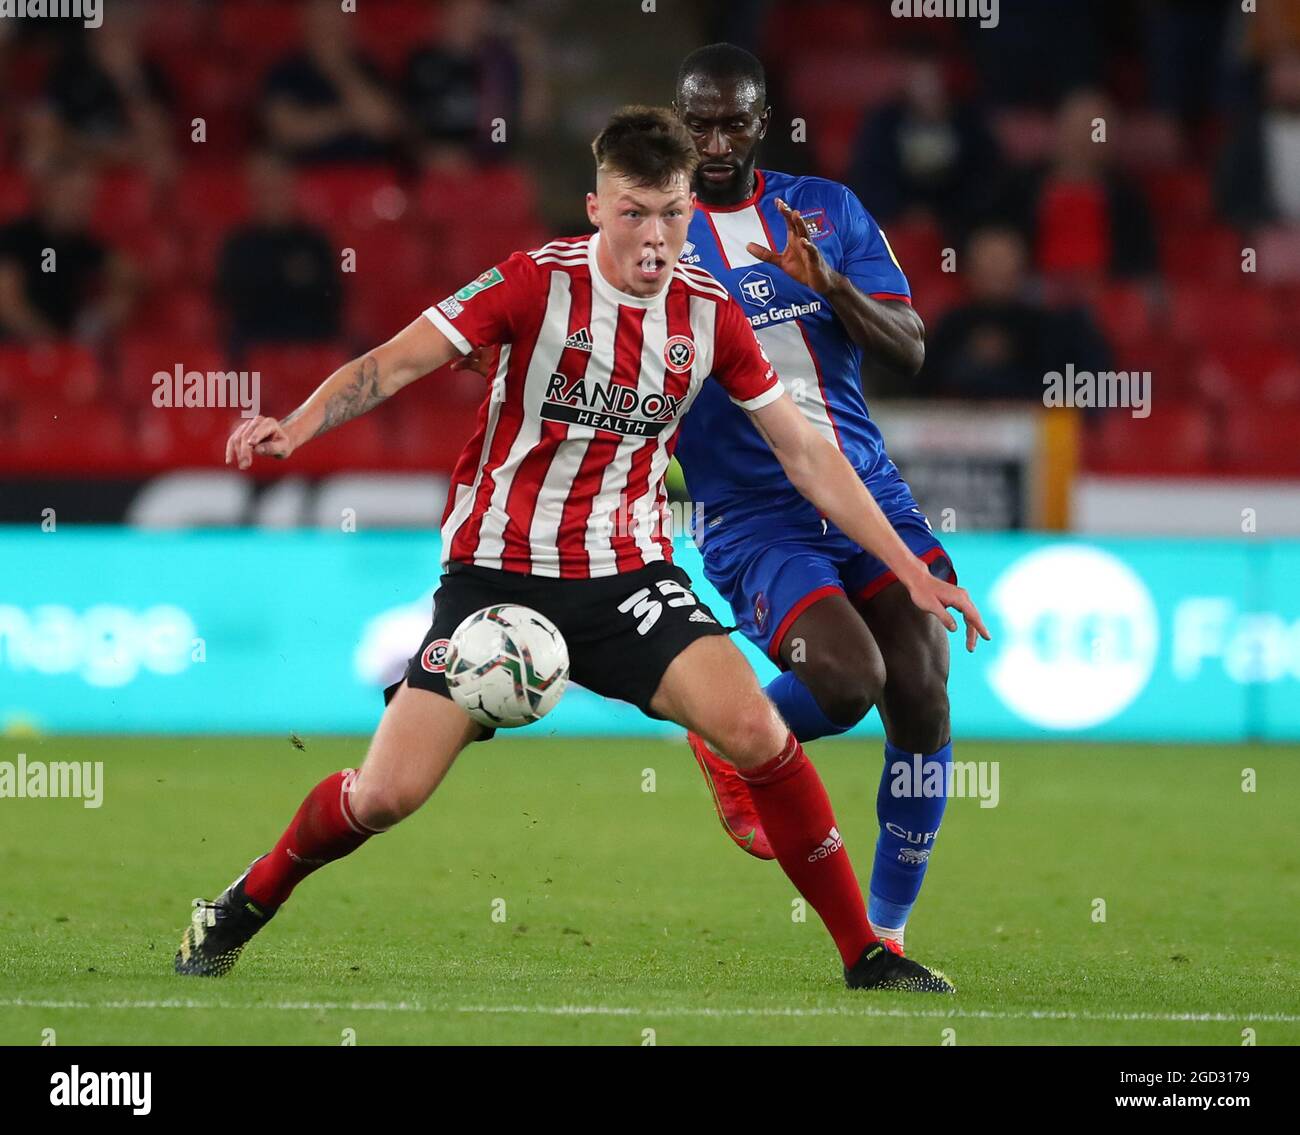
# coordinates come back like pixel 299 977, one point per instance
pixel 645 606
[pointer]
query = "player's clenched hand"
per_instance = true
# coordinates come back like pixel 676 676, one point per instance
pixel 265 437
pixel 800 259
pixel 936 596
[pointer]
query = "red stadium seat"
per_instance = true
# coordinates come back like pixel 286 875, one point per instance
pixel 1262 441
pixel 1213 314
pixel 487 193
pixel 211 195
pixel 258 33
pixel 71 439
pixel 125 200
pixel 918 245
pixel 351 196
pixel 1179 196
pixel 15 194
pixel 1202 253
pixel 392 29
pixel 291 371
pixel 1178 437
pixel 1127 313
pixel 142 355
pixel 355 445
pixel 1257 372
pixel 50 372
pixel 176 438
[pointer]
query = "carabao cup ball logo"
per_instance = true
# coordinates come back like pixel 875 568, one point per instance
pixel 679 354
pixel 1078 637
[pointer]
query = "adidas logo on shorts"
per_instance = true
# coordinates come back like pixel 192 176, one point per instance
pixel 829 846
pixel 698 616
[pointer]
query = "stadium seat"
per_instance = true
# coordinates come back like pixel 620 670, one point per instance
pixel 393 29
pixel 170 438
pixel 258 33
pixel 50 372
pixel 211 195
pixel 1204 314
pixel 141 355
pixel 1126 312
pixel 1176 439
pixel 1267 373
pixel 1263 441
pixel 125 200
pixel 15 194
pixel 1201 253
pixel 455 201
pixel 918 245
pixel 68 439
pixel 358 444
pixel 350 196
pixel 291 371
pixel 1179 196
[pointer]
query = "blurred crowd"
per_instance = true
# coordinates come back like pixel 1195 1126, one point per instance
pixel 1112 185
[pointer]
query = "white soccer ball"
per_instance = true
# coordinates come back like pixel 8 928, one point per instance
pixel 507 666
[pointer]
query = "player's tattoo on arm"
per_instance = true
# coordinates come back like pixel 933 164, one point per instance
pixel 361 393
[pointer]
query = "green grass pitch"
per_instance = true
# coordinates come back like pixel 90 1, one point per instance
pixel 628 918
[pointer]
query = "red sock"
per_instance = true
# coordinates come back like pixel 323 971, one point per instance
pixel 323 830
pixel 796 815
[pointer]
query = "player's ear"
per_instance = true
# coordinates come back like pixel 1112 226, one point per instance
pixel 764 120
pixel 593 209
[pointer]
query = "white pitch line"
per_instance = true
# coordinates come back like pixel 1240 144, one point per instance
pixel 865 1011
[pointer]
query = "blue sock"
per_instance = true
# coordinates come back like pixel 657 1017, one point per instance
pixel 800 708
pixel 910 810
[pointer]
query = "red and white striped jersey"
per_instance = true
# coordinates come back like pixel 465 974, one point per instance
pixel 564 474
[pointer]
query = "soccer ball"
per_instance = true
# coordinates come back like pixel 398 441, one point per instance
pixel 507 666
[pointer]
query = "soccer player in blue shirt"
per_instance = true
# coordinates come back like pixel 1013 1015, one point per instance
pixel 822 287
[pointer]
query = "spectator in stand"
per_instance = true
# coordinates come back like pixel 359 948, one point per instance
pixel 1000 343
pixel 925 153
pixel 455 87
pixel 278 278
pixel 55 277
pixel 1084 219
pixel 1258 179
pixel 111 99
pixel 328 102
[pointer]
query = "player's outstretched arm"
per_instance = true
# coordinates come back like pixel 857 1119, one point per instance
pixel 349 392
pixel 820 472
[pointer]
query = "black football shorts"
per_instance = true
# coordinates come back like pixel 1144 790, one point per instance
pixel 622 630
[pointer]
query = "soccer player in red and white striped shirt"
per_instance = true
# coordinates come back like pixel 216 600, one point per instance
pixel 604 342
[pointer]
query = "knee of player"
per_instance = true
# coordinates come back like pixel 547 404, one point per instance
pixel 845 688
pixel 380 805
pixel 751 733
pixel 925 697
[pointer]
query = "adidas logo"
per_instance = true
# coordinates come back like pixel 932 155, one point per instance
pixel 580 340
pixel 829 846
pixel 698 616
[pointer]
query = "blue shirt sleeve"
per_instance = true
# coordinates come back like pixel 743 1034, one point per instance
pixel 866 258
